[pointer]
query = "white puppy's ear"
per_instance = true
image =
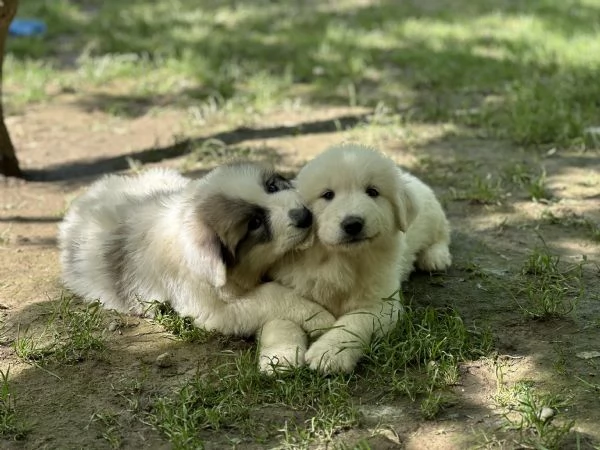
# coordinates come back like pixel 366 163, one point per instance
pixel 204 253
pixel 406 208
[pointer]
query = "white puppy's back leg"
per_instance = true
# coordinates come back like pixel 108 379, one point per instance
pixel 435 258
pixel 428 236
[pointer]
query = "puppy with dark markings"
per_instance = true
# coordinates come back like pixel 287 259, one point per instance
pixel 202 245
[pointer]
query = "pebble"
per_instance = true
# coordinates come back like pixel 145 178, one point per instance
pixel 546 413
pixel 164 360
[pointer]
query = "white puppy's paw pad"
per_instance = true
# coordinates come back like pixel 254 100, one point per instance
pixel 331 358
pixel 280 359
pixel 437 257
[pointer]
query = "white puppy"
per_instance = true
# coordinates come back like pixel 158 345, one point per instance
pixel 202 245
pixel 373 222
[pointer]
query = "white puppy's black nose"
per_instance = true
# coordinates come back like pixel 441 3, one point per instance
pixel 352 225
pixel 301 217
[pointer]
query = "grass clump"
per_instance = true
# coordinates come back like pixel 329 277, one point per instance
pixel 532 414
pixel 548 290
pixel 181 327
pixel 487 190
pixel 420 358
pixel 232 397
pixel 534 183
pixel 572 220
pixel 72 334
pixel 109 424
pixel 10 426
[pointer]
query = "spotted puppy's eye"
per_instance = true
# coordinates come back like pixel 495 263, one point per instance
pixel 328 194
pixel 255 223
pixel 372 192
pixel 277 183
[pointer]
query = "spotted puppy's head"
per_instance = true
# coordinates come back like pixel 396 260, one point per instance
pixel 243 218
pixel 356 195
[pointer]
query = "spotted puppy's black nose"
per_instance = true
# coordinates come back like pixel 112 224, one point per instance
pixel 352 225
pixel 301 217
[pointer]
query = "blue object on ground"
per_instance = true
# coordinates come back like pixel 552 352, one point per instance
pixel 26 27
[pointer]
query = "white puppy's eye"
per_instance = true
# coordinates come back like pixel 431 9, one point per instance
pixel 372 192
pixel 255 223
pixel 328 194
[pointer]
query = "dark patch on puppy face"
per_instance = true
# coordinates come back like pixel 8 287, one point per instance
pixel 239 224
pixel 275 182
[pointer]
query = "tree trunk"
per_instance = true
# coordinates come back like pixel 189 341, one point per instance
pixel 9 165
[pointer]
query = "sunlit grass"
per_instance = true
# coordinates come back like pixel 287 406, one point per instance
pixel 522 71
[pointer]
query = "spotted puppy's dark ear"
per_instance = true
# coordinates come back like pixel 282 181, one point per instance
pixel 204 254
pixel 219 225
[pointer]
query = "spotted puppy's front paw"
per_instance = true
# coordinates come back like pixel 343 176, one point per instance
pixel 331 355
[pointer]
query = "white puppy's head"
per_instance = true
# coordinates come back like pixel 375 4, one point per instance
pixel 356 196
pixel 242 218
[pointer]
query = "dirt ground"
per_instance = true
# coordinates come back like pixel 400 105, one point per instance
pixel 65 147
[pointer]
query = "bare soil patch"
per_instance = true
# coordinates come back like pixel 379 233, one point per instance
pixel 64 147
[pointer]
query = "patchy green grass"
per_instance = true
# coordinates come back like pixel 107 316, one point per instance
pixel 109 424
pixel 549 290
pixel 533 183
pixel 571 220
pixel 180 327
pixel 534 415
pixel 420 357
pixel 72 334
pixel 418 360
pixel 486 190
pixel 231 397
pixel 11 426
pixel 513 70
pixel 477 183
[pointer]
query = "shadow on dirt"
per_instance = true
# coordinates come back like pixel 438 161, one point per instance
pixel 90 169
pixel 23 219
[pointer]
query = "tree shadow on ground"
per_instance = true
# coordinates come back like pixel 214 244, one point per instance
pixel 90 169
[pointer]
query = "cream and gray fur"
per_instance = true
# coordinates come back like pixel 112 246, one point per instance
pixel 373 223
pixel 203 245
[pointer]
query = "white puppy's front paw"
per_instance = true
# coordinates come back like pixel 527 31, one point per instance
pixel 280 358
pixel 282 346
pixel 435 258
pixel 331 356
pixel 318 323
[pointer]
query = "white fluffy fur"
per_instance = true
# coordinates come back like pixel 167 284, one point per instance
pixel 160 236
pixel 404 224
